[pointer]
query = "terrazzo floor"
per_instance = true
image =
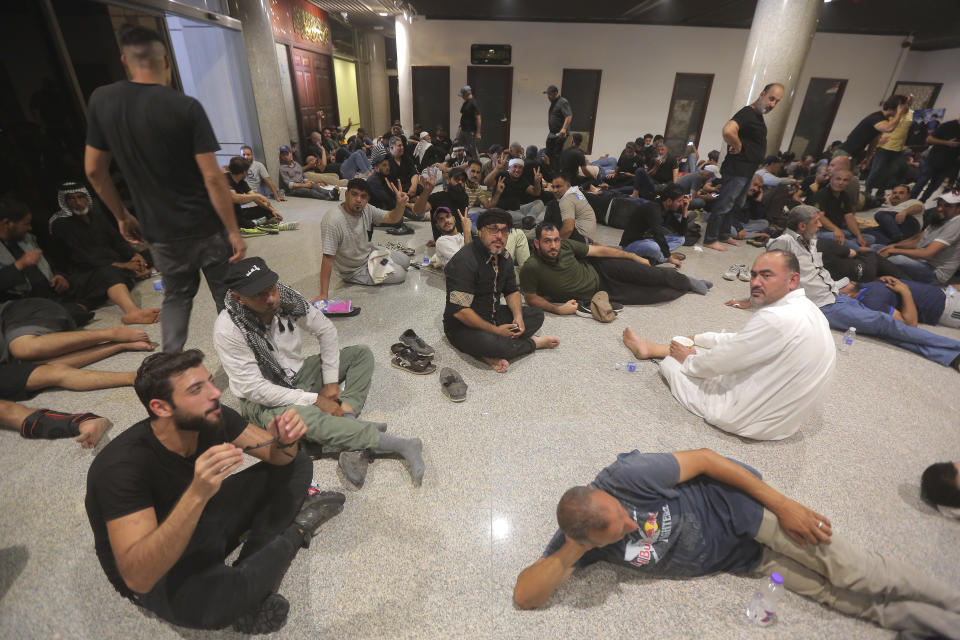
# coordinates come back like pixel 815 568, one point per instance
pixel 440 561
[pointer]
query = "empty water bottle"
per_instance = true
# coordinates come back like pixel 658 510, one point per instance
pixel 848 337
pixel 158 284
pixel 626 366
pixel 762 609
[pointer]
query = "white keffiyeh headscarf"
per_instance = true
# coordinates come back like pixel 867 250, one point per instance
pixel 63 191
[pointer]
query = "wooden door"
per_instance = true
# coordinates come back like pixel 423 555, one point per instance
pixel 493 91
pixel 313 90
pixel 430 110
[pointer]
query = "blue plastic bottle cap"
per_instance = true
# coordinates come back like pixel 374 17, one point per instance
pixel 776 578
pixel 631 366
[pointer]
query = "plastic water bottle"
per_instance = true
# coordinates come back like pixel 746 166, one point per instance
pixel 848 337
pixel 629 367
pixel 426 260
pixel 158 284
pixel 762 609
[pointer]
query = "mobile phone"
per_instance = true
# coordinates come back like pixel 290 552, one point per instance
pixel 515 329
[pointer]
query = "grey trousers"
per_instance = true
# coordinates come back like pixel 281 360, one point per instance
pixel 180 263
pixel 861 583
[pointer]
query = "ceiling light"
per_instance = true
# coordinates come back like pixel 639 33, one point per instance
pixel 382 14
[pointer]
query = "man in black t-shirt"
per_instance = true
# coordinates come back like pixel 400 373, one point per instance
pixel 746 137
pixel 839 221
pixel 646 233
pixel 663 168
pixel 867 130
pixel 516 191
pixel 469 133
pixel 252 209
pixel 941 161
pixel 559 117
pixel 573 162
pixel 165 515
pixel 164 146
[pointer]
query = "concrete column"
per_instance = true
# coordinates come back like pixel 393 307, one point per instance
pixel 780 39
pixel 374 51
pixel 404 74
pixel 265 78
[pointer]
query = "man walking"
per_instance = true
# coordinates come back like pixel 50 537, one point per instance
pixel 559 115
pixel 469 133
pixel 164 146
pixel 746 137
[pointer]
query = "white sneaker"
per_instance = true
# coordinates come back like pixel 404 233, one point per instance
pixel 732 272
pixel 744 273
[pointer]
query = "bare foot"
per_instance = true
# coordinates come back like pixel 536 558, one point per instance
pixel 126 334
pixel 546 342
pixel 139 345
pixel 638 346
pixel 141 316
pixel 497 364
pixel 91 431
pixel 347 408
pixel 716 246
pixel 732 241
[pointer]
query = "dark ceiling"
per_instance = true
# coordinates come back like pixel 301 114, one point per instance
pixel 935 24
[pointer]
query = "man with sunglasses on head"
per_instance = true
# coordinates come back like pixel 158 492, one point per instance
pixel 258 337
pixel 165 515
pixel 474 320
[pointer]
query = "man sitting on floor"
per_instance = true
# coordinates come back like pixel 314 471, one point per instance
pixel 296 184
pixel 454 231
pixel 843 312
pixel 934 254
pixel 346 233
pixel 516 194
pixel 252 208
pixel 165 515
pixel 646 233
pixel 576 214
pixel 764 380
pixel 25 272
pixel 901 217
pixel 258 178
pixel 258 340
pixel 474 320
pixel 559 275
pixel 693 513
pixel 838 217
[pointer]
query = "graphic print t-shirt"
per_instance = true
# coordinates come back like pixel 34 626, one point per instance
pixel 695 528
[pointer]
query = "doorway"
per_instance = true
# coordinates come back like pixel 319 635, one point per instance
pixel 819 108
pixel 688 107
pixel 582 88
pixel 429 111
pixel 493 91
pixel 315 94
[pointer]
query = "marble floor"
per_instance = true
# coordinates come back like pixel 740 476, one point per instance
pixel 440 561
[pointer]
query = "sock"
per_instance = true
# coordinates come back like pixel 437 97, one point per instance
pixel 700 286
pixel 412 451
pixel 350 414
pixel 50 425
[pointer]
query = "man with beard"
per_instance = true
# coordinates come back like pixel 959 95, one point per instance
pixel 453 231
pixel 453 197
pixel 901 217
pixel 165 515
pixel 346 233
pixel 742 382
pixel 844 312
pixel 258 338
pixel 98 274
pixel 933 255
pixel 563 272
pixel 839 219
pixel 474 320
pixel 517 192
pixel 746 137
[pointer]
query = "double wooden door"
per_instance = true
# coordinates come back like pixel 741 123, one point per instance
pixel 315 91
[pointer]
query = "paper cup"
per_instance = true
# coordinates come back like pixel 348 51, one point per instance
pixel 684 340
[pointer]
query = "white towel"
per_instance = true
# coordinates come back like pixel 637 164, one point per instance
pixel 379 265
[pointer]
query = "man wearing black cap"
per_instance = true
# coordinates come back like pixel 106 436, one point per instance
pixel 165 515
pixel 258 339
pixel 164 145
pixel 559 115
pixel 474 320
pixel 469 133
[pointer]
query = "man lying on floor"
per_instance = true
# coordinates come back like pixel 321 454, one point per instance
pixel 693 513
pixel 562 272
pixel 258 339
pixel 762 381
pixel 165 515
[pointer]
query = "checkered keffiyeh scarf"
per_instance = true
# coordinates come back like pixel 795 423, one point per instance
pixel 292 306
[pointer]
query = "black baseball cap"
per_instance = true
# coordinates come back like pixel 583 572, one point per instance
pixel 250 276
pixel 552 89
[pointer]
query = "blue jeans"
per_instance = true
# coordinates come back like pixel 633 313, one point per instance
pixel 648 247
pixel 751 227
pixel 893 231
pixel 916 269
pixel 733 193
pixel 356 163
pixel 847 312
pixel 607 165
pixel 881 167
pixel 851 240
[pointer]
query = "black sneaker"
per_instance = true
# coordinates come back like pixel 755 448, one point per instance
pixel 617 307
pixel 415 342
pixel 270 617
pixel 583 309
pixel 316 510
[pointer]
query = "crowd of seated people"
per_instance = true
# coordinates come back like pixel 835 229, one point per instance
pixel 515 224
